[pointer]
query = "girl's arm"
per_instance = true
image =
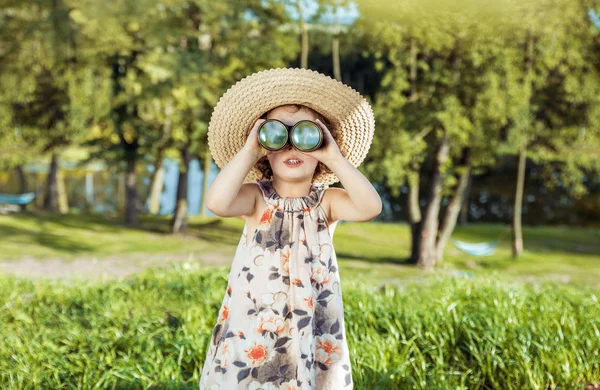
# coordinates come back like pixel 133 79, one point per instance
pixel 228 195
pixel 358 200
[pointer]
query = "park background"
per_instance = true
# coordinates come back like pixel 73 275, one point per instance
pixel 481 272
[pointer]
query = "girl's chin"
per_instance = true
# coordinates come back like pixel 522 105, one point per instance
pixel 293 174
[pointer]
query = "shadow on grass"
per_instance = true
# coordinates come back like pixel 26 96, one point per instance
pixel 41 225
pixel 376 259
pixel 43 237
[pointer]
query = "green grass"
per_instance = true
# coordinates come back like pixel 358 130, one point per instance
pixel 151 331
pixel 42 236
pixel 376 252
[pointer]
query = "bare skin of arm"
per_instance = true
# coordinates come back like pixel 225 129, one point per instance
pixel 228 195
pixel 358 200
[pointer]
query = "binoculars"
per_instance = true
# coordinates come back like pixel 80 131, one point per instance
pixel 305 135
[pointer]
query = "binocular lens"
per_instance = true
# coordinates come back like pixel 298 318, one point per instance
pixel 273 135
pixel 306 136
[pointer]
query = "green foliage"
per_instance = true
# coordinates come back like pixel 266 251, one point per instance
pixel 447 333
pixel 170 62
pixel 494 77
pixel 47 88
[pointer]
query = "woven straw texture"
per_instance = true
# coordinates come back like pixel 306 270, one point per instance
pixel 350 115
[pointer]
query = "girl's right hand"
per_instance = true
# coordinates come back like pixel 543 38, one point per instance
pixel 252 143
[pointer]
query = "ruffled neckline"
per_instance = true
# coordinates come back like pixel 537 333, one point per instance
pixel 307 200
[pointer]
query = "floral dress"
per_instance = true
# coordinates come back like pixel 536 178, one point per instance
pixel 281 321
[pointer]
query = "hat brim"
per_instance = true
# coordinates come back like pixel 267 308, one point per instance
pixel 351 118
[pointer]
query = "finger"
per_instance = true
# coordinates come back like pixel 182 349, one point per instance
pixel 325 129
pixel 321 124
pixel 253 127
pixel 259 122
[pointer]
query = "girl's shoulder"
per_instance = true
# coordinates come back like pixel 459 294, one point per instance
pixel 328 196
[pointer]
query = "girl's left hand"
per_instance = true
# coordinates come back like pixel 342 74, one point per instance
pixel 329 150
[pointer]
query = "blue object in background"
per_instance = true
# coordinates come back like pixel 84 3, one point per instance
pixel 594 18
pixel 195 180
pixel 169 192
pixel 18 199
pixel 195 177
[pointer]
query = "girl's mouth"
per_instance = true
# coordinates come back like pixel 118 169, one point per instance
pixel 293 162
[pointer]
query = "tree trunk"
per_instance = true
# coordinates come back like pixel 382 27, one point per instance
pixel 159 172
pixel 156 188
pixel 131 193
pixel 61 186
pixel 453 208
pixel 180 217
pixel 517 232
pixel 428 255
pixel 22 183
pixel 304 37
pixel 120 194
pixel 335 51
pixel 414 179
pixel 414 214
pixel 207 164
pixel 464 211
pixel 51 199
pixel 427 246
pixel 517 239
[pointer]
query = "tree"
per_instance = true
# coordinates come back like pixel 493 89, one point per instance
pixel 168 64
pixel 553 98
pixel 45 82
pixel 429 104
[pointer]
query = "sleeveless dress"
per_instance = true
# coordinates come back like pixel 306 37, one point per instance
pixel 281 321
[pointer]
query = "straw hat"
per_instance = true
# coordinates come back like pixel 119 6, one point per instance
pixel 350 117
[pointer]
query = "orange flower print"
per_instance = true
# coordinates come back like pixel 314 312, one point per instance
pixel 226 353
pixel 328 349
pixel 298 282
pixel 309 302
pixel 224 313
pixel 284 269
pixel 257 353
pixel 266 217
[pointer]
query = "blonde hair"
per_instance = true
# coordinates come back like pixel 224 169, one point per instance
pixel 263 164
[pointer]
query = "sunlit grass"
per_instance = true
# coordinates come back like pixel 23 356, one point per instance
pixel 440 333
pixel 376 252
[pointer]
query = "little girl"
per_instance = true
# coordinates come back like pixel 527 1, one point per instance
pixel 281 321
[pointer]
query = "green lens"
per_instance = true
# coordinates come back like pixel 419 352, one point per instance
pixel 306 136
pixel 272 135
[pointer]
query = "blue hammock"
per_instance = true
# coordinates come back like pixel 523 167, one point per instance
pixel 476 249
pixel 20 199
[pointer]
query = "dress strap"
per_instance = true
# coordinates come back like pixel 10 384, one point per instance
pixel 266 189
pixel 271 196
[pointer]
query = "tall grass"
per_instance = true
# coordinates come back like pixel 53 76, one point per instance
pixel 152 331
